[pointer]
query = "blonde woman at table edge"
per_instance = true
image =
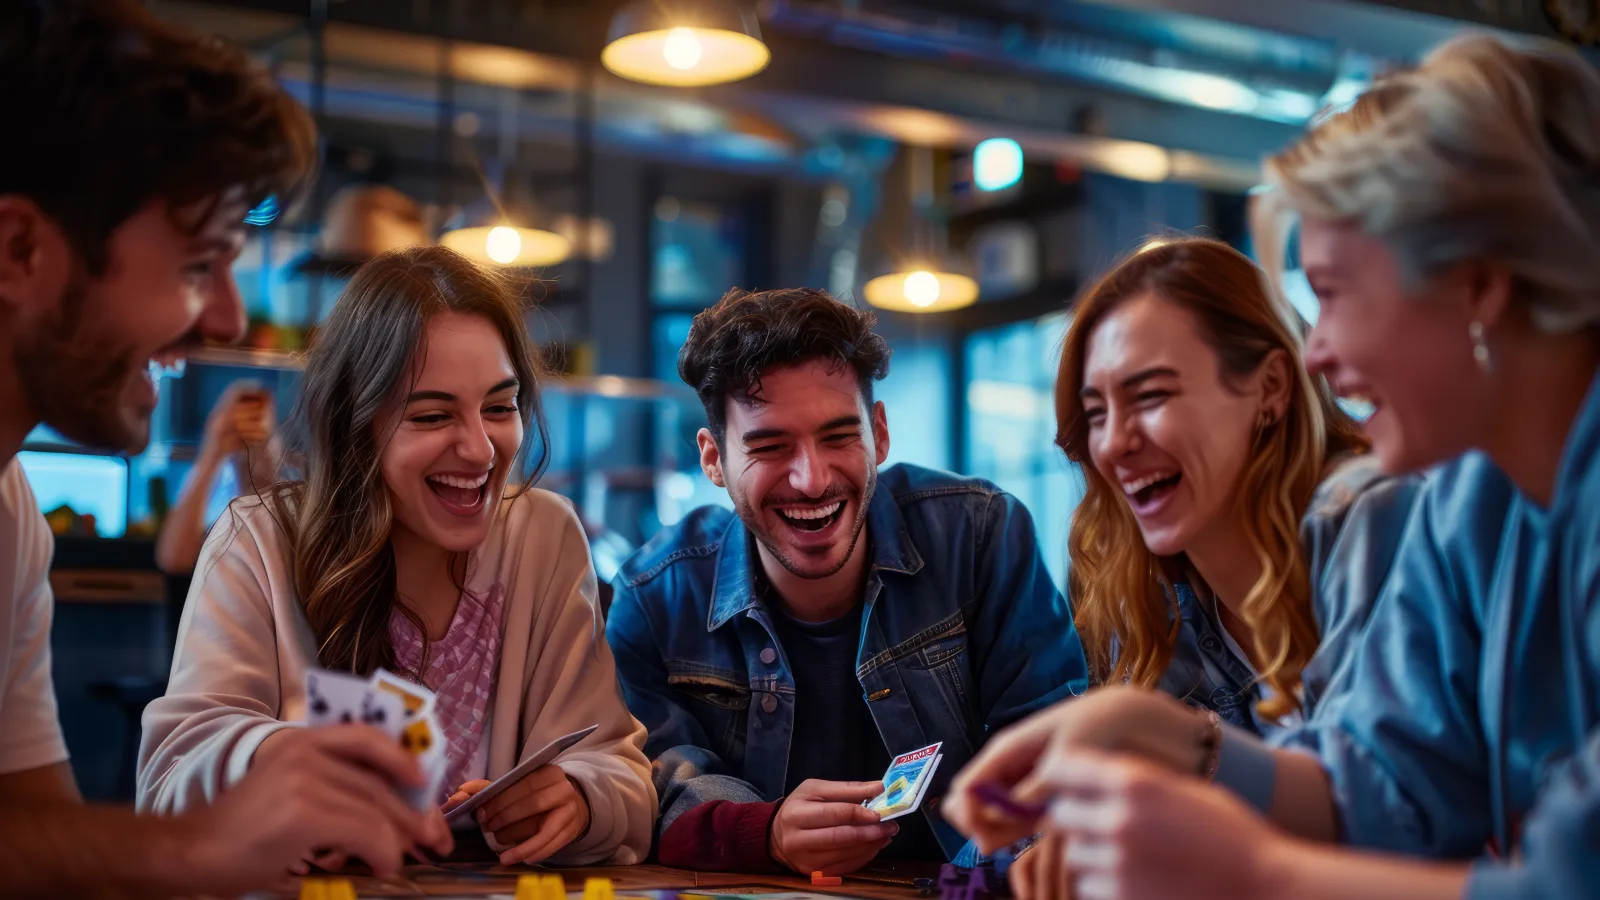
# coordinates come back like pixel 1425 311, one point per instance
pixel 401 547
pixel 1450 226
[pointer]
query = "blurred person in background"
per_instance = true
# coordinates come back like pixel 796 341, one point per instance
pixel 238 454
pixel 133 154
pixel 1450 227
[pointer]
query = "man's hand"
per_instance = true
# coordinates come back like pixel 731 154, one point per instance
pixel 535 817
pixel 314 792
pixel 822 827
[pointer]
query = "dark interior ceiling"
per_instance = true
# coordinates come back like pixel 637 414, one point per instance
pixel 1212 83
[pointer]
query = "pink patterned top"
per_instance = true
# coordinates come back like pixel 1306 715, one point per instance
pixel 462 670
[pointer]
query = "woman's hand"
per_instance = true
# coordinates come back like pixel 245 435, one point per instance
pixel 1134 831
pixel 1040 873
pixel 1119 719
pixel 463 794
pixel 536 817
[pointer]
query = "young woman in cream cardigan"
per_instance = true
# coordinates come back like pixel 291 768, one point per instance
pixel 401 548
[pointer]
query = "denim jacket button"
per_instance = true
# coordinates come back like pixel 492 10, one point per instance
pixel 769 656
pixel 769 703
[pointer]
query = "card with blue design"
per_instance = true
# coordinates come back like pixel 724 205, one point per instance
pixel 906 781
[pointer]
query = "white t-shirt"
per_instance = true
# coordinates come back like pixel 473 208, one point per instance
pixel 30 733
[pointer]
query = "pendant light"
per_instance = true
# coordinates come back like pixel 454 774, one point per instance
pixel 506 244
pixel 685 43
pixel 486 233
pixel 927 278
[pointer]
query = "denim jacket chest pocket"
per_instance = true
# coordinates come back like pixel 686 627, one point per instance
pixel 935 668
pixel 719 700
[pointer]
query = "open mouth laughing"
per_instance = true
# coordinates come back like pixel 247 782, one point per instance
pixel 813 518
pixel 1147 492
pixel 460 493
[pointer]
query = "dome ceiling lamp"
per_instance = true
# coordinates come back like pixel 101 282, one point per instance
pixel 928 279
pixel 685 43
pixel 491 236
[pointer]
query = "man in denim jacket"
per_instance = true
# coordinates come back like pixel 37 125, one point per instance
pixel 782 655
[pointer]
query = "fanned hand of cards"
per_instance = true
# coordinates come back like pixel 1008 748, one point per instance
pixel 389 703
pixel 906 781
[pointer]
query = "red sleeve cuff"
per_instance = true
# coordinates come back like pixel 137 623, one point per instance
pixel 720 836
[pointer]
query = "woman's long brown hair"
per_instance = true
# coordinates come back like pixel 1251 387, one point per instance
pixel 1121 592
pixel 338 514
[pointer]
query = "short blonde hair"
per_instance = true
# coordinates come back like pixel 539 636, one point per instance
pixel 1490 149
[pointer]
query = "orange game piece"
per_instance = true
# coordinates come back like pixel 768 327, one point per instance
pixel 820 880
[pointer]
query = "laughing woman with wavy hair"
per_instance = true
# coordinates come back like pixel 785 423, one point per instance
pixel 413 540
pixel 1219 475
pixel 1233 534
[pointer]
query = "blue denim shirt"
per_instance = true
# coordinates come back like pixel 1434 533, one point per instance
pixel 1470 714
pixel 1351 532
pixel 963 632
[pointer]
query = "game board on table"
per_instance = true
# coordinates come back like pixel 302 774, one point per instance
pixel 550 887
pixel 645 882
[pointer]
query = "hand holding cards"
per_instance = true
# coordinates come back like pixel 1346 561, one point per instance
pixel 906 781
pixel 461 816
pixel 398 708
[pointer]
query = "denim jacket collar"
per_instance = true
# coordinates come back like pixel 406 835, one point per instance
pixel 733 592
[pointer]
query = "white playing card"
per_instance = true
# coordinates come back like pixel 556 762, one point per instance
pixel 417 700
pixel 333 698
pixel 424 739
pixel 906 781
pixel 383 711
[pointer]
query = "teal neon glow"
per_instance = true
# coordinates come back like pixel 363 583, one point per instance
pixel 996 164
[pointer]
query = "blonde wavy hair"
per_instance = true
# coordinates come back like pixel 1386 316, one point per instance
pixel 1490 149
pixel 1125 609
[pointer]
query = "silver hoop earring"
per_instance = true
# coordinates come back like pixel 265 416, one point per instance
pixel 1480 349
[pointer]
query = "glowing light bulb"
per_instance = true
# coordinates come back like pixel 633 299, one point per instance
pixel 922 289
pixel 503 244
pixel 682 49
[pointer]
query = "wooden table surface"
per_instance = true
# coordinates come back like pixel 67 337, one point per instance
pixel 481 880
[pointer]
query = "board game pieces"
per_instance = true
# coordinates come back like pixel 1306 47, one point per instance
pixel 981 883
pixel 820 880
pixel 327 889
pixel 541 887
pixel 599 889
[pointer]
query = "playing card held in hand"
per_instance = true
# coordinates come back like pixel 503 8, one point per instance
pixel 387 702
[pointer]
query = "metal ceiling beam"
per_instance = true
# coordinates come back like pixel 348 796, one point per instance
pixel 1371 29
pixel 1393 29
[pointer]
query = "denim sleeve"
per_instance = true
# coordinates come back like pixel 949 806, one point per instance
pixel 1398 732
pixel 1560 843
pixel 1025 648
pixel 686 773
pixel 1351 543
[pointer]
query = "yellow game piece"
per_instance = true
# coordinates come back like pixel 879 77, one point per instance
pixel 551 887
pixel 528 887
pixel 313 889
pixel 339 889
pixel 599 889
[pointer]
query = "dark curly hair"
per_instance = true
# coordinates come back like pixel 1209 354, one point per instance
pixel 108 109
pixel 745 335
